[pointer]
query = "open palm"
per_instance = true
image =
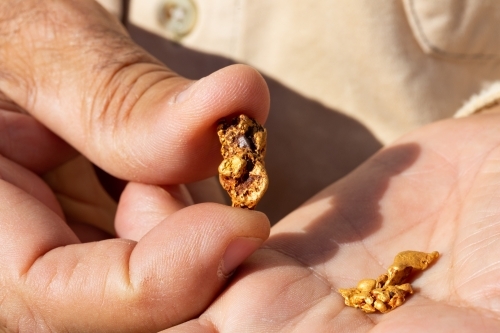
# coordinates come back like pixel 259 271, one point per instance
pixel 437 189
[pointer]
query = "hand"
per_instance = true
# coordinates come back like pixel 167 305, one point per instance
pixel 70 66
pixel 435 189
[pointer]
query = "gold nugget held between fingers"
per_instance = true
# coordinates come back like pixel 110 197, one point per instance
pixel 242 173
pixel 388 291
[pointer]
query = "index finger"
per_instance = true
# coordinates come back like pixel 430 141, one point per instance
pixel 115 103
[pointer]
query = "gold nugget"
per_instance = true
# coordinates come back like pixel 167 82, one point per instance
pixel 242 173
pixel 388 291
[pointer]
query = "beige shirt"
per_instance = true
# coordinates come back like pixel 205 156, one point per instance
pixel 345 76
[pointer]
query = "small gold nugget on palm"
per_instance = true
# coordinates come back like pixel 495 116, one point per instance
pixel 388 291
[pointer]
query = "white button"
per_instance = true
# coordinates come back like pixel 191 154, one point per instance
pixel 177 17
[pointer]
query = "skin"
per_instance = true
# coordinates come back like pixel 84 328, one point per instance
pixel 71 82
pixel 434 189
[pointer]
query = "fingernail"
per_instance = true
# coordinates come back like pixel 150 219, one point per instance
pixel 237 251
pixel 186 93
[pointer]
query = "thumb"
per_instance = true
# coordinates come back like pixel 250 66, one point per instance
pixel 51 282
pixel 74 68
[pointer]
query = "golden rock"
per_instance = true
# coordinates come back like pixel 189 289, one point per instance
pixel 390 289
pixel 242 173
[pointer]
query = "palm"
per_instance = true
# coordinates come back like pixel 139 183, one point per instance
pixel 436 189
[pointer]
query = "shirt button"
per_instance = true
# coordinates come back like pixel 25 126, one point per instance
pixel 177 17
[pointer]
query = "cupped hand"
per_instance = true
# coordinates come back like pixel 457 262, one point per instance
pixel 436 189
pixel 70 74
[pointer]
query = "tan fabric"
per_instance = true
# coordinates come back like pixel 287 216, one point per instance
pixel 360 57
pixel 345 76
pixel 485 100
pixel 468 30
